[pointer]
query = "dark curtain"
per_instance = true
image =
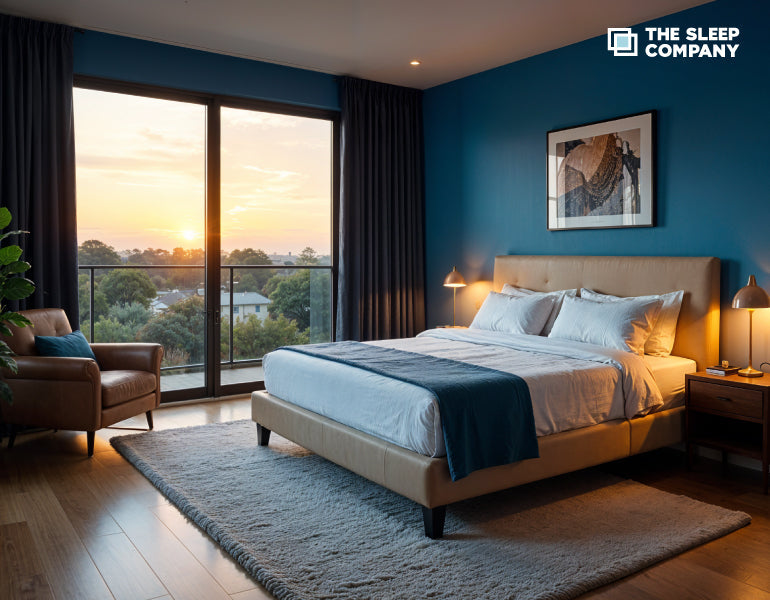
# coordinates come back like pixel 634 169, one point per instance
pixel 381 283
pixel 37 156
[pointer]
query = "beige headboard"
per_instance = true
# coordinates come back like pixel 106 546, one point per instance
pixel 697 332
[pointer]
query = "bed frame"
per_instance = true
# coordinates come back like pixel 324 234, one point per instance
pixel 427 481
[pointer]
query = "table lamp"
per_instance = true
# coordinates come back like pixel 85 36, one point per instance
pixel 454 280
pixel 751 297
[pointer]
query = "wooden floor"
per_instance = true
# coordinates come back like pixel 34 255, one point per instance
pixel 74 528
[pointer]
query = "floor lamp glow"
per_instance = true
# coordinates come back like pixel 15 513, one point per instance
pixel 454 280
pixel 751 297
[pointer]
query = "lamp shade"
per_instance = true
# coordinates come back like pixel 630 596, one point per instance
pixel 751 296
pixel 454 279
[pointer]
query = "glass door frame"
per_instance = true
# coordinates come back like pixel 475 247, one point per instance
pixel 213 387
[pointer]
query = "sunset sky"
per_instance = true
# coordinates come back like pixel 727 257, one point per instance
pixel 141 175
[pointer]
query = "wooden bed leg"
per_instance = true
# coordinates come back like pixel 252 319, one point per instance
pixel 434 521
pixel 263 435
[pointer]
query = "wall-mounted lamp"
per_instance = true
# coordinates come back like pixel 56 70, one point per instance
pixel 751 297
pixel 454 280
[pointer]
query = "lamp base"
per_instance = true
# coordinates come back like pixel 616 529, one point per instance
pixel 750 372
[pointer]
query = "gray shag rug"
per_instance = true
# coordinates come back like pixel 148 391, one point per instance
pixel 308 529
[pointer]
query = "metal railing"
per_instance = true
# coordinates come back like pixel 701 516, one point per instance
pixel 231 361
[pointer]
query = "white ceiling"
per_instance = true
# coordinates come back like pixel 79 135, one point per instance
pixel 373 39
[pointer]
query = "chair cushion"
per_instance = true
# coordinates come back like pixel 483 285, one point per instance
pixel 72 344
pixel 46 321
pixel 121 386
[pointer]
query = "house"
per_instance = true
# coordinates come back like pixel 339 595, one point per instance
pixel 163 300
pixel 484 180
pixel 244 305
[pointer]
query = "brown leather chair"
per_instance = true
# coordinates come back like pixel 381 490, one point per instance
pixel 77 393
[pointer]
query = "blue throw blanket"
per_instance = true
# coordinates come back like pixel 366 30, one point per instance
pixel 486 414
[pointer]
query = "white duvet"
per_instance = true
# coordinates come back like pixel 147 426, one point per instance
pixel 572 385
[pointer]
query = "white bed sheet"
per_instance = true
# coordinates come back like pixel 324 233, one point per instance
pixel 567 393
pixel 669 372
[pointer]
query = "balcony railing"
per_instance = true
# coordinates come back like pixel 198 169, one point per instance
pixel 311 319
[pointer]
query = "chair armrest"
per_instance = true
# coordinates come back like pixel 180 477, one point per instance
pixel 55 368
pixel 131 357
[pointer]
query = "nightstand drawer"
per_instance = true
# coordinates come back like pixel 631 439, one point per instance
pixel 727 399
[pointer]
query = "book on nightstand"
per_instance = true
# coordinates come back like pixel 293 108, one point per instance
pixel 720 370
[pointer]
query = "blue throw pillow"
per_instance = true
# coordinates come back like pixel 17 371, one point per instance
pixel 72 344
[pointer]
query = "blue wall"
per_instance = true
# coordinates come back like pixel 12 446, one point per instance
pixel 486 167
pixel 139 61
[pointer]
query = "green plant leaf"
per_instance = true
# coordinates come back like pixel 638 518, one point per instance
pixel 6 393
pixel 4 329
pixel 15 318
pixel 9 254
pixel 5 217
pixel 7 362
pixel 17 288
pixel 16 267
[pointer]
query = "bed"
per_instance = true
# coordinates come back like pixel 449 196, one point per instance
pixel 426 479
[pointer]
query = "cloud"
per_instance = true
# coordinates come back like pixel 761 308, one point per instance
pixel 273 172
pixel 237 209
pixel 250 118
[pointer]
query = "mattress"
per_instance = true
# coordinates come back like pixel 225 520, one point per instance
pixel 572 385
pixel 669 372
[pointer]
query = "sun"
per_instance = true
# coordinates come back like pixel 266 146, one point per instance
pixel 188 234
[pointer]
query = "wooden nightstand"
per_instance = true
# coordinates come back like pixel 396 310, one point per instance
pixel 730 414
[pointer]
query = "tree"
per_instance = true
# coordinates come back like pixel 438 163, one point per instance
pixel 308 257
pixel 124 286
pixel 110 330
pixel 272 285
pixel 253 338
pixel 248 282
pixel 149 256
pixel 94 252
pixel 84 299
pixel 180 330
pixel 248 256
pixel 304 297
pixel 291 299
pixel 122 323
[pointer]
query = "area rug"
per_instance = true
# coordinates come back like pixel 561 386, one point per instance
pixel 308 529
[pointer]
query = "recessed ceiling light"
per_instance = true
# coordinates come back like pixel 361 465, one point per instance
pixel 415 63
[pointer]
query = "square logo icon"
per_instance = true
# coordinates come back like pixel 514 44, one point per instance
pixel 621 41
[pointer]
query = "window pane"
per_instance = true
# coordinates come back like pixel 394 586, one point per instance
pixel 276 204
pixel 276 187
pixel 140 193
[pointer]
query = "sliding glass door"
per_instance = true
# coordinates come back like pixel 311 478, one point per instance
pixel 276 236
pixel 205 224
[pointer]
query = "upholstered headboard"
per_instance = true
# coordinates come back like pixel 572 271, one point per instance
pixel 697 332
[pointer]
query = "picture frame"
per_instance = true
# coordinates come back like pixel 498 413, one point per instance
pixel 601 175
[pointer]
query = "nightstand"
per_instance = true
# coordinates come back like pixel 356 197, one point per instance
pixel 730 414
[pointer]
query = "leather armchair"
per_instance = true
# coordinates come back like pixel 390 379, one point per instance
pixel 78 393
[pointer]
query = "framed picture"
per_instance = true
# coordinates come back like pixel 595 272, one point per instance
pixel 601 175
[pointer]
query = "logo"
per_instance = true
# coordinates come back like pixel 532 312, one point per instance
pixel 622 42
pixel 675 42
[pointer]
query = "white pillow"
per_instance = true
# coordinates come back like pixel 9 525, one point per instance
pixel 518 292
pixel 621 325
pixel 661 340
pixel 501 312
